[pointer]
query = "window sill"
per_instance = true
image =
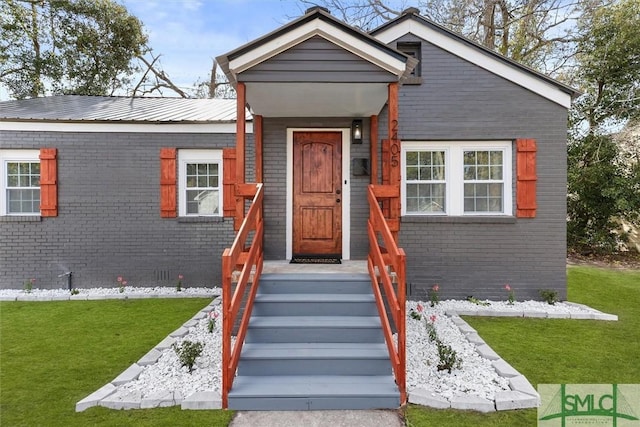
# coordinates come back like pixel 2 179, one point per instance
pixel 200 219
pixel 21 218
pixel 458 219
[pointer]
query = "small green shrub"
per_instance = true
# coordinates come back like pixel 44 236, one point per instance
pixel 448 357
pixel 476 301
pixel 188 352
pixel 28 285
pixel 549 295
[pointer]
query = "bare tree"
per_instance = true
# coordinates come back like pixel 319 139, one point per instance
pixel 155 81
pixel 538 33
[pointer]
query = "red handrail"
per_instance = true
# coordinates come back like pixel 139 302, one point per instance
pixel 249 262
pixel 385 258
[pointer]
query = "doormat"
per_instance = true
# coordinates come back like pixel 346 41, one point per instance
pixel 316 259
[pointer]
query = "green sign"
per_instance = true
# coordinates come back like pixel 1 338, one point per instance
pixel 593 405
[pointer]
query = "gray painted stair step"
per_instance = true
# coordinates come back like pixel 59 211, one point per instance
pixel 330 283
pixel 314 322
pixel 278 329
pixel 315 350
pixel 314 385
pixel 315 305
pixel 290 393
pixel 314 359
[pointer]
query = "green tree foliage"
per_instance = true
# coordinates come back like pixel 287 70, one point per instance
pixel 609 66
pixel 604 181
pixel 67 46
pixel 603 188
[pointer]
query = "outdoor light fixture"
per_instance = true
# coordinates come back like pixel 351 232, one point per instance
pixel 356 132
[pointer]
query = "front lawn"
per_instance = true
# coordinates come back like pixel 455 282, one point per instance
pixel 549 351
pixel 53 354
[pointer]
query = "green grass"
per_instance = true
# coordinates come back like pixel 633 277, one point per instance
pixel 550 351
pixel 53 354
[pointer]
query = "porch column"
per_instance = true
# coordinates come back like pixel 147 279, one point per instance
pixel 241 102
pixel 257 135
pixel 373 148
pixel 394 160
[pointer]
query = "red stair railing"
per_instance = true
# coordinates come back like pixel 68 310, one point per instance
pixel 386 260
pixel 248 261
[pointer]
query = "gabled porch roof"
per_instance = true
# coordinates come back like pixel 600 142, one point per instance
pixel 316 66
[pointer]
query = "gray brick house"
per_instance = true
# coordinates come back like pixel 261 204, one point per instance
pixel 107 186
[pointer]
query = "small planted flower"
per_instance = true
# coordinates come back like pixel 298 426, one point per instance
pixel 511 298
pixel 28 285
pixel 179 286
pixel 121 283
pixel 417 313
pixel 433 295
pixel 431 328
pixel 211 324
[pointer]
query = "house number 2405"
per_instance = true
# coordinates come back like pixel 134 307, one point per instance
pixel 394 147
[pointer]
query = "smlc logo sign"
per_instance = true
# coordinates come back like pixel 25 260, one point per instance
pixel 615 405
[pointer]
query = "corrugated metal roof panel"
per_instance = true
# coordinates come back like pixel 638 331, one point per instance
pixel 79 108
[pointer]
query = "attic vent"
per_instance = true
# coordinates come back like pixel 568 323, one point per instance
pixel 314 8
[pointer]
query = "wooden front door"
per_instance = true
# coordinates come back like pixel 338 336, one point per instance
pixel 317 193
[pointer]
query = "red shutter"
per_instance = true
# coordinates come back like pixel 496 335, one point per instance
pixel 229 182
pixel 48 182
pixel 168 183
pixel 526 178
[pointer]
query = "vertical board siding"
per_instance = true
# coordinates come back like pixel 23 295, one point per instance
pixel 229 182
pixel 48 182
pixel 526 178
pixel 168 183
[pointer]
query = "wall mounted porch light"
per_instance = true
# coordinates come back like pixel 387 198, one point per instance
pixel 356 132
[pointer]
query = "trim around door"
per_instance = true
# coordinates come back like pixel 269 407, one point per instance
pixel 346 188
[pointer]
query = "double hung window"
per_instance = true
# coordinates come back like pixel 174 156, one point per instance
pixel 456 178
pixel 20 182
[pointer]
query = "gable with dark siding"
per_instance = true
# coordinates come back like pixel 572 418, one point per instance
pixel 316 60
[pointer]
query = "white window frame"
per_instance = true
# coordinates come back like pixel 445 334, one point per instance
pixel 454 174
pixel 6 156
pixel 186 156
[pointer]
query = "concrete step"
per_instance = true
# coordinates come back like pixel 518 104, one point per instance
pixel 314 359
pixel 314 392
pixel 329 283
pixel 314 329
pixel 315 305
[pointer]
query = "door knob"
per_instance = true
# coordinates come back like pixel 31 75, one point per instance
pixel 337 200
pixel 337 191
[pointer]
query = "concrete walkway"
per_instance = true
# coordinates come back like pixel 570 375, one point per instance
pixel 317 419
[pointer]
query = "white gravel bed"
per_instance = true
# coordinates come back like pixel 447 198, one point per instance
pixel 89 293
pixel 168 374
pixel 475 377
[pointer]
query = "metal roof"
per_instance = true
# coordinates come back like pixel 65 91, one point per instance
pixel 80 108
